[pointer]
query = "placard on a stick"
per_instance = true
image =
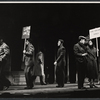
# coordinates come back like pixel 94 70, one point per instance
pixel 94 33
pixel 26 32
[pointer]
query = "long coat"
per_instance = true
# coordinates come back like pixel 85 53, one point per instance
pixel 38 69
pixel 81 62
pixel 61 63
pixel 5 55
pixel 61 59
pixel 29 55
pixel 92 71
pixel 78 51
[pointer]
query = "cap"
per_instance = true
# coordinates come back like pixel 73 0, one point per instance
pixel 82 37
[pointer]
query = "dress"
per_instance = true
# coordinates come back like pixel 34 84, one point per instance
pixel 38 69
pixel 92 71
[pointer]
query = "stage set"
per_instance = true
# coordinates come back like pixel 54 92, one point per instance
pixel 47 23
pixel 70 90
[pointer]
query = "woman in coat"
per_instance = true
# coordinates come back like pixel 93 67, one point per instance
pixel 92 72
pixel 38 69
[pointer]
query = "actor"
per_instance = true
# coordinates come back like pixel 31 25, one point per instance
pixel 39 68
pixel 29 63
pixel 60 64
pixel 81 60
pixel 5 65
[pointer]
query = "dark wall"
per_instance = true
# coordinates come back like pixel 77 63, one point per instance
pixel 48 22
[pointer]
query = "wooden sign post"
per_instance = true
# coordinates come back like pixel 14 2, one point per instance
pixel 95 33
pixel 25 35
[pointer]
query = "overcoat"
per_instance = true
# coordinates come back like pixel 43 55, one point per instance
pixel 29 56
pixel 92 71
pixel 5 55
pixel 60 68
pixel 61 59
pixel 38 69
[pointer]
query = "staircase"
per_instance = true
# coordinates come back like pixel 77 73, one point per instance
pixel 19 78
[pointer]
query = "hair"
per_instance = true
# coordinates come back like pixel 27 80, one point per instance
pixel 1 38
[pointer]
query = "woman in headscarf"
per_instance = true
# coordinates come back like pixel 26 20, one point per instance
pixel 92 72
pixel 38 69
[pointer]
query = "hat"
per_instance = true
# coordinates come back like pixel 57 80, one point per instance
pixel 30 40
pixel 82 37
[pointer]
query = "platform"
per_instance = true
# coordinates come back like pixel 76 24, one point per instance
pixel 51 91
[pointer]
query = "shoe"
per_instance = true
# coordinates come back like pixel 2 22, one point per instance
pixel 58 86
pixel 82 88
pixel 62 85
pixel 91 86
pixel 5 87
pixel 28 88
pixel 95 86
pixel 43 84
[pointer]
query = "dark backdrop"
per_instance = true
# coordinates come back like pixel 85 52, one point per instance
pixel 48 22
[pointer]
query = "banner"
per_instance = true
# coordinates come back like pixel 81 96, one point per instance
pixel 26 32
pixel 94 33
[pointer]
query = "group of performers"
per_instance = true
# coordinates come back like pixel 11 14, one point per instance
pixel 35 67
pixel 86 63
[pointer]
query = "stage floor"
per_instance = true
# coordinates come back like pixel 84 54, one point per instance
pixel 70 90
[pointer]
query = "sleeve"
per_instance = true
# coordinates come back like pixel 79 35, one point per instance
pixel 40 61
pixel 30 51
pixel 61 54
pixel 6 52
pixel 76 51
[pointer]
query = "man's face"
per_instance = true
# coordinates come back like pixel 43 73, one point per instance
pixel 59 43
pixel 83 41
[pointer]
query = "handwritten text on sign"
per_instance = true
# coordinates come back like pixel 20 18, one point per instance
pixel 26 32
pixel 94 33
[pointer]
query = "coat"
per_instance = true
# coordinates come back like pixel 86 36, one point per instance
pixel 78 51
pixel 61 59
pixel 38 69
pixel 29 55
pixel 5 55
pixel 92 70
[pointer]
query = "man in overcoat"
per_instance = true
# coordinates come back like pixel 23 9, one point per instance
pixel 5 64
pixel 29 63
pixel 81 60
pixel 60 64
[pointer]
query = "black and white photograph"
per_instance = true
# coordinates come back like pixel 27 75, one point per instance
pixel 49 50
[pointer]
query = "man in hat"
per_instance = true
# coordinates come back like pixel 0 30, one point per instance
pixel 81 62
pixel 29 63
pixel 60 64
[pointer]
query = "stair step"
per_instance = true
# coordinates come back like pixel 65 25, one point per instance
pixel 19 78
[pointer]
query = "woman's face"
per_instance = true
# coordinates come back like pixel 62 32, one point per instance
pixel 40 56
pixel 90 43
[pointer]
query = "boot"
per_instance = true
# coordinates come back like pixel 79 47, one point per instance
pixel 41 81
